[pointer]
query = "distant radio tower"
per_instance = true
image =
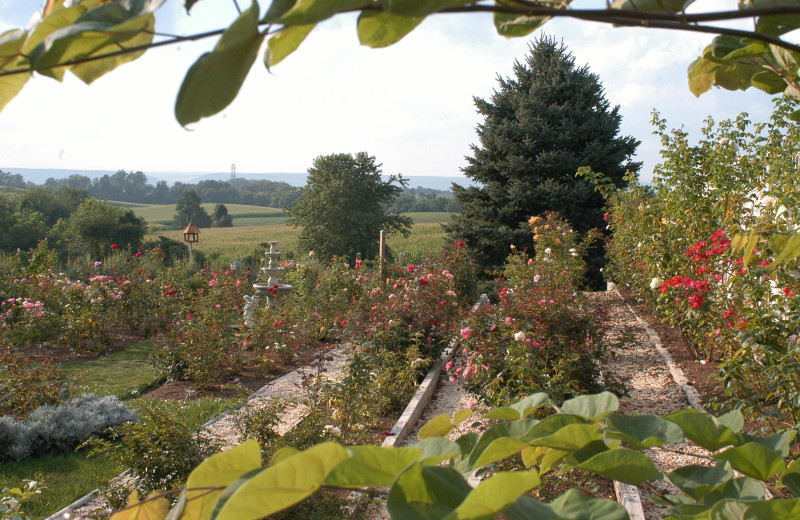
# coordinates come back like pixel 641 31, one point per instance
pixel 233 171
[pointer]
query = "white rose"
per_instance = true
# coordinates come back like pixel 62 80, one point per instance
pixel 520 336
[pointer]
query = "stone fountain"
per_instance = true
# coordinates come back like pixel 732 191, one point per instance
pixel 272 288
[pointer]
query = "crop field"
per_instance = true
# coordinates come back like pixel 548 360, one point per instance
pixel 227 244
pixel 243 215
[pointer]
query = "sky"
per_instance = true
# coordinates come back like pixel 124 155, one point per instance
pixel 410 105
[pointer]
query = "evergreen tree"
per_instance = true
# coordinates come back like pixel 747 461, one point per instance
pixel 188 209
pixel 540 126
pixel 341 208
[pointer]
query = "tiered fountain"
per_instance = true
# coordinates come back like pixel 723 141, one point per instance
pixel 270 290
pixel 273 272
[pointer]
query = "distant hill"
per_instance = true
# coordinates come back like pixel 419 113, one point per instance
pixel 39 176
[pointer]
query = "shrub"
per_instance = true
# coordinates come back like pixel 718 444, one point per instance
pixel 536 338
pixel 62 427
pixel 16 439
pixel 26 385
pixel 159 450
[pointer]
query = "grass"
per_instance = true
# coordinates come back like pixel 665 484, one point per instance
pixel 67 477
pixel 223 245
pixel 123 374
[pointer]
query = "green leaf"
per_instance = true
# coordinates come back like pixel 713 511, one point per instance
pixel 285 42
pixel 769 82
pixel 744 488
pixel 436 449
pixel 516 25
pixel 306 12
pixel 591 406
pixel 727 510
pixel 725 47
pixel 371 466
pixel 54 21
pixel 426 492
pixel 775 25
pixel 214 80
pixel 422 7
pixel 779 442
pixel 276 9
pixel 787 509
pixel 499 449
pixel 696 481
pixel 789 252
pixel 11 43
pixel 90 71
pixel 707 71
pixel 188 4
pixel 439 426
pixel 218 470
pixel 791 479
pixel 754 460
pixel 530 404
pixel 550 459
pixel 570 438
pixel 150 509
pixel 378 29
pixel 571 505
pixel 752 240
pixel 461 416
pixel 277 487
pixel 704 429
pixel 516 429
pixel 652 6
pixel 622 464
pixel 11 85
pixel 460 462
pixel 503 413
pixel 642 431
pixel 552 424
pixel 531 455
pixel 733 420
pixel 494 495
pixel 283 453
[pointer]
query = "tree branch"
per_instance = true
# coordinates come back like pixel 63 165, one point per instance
pixel 628 18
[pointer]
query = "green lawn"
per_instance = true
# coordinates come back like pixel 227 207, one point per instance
pixel 123 374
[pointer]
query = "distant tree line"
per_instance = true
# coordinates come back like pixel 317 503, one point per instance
pixel 125 186
pixel 423 200
pixel 133 187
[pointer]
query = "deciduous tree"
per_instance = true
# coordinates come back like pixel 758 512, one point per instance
pixel 341 208
pixel 188 209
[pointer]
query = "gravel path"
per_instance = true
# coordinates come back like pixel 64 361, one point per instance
pixel 633 360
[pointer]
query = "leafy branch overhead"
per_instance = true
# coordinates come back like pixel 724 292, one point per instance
pixel 93 37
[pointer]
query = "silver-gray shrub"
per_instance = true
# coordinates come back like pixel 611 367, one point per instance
pixel 62 427
pixel 16 439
